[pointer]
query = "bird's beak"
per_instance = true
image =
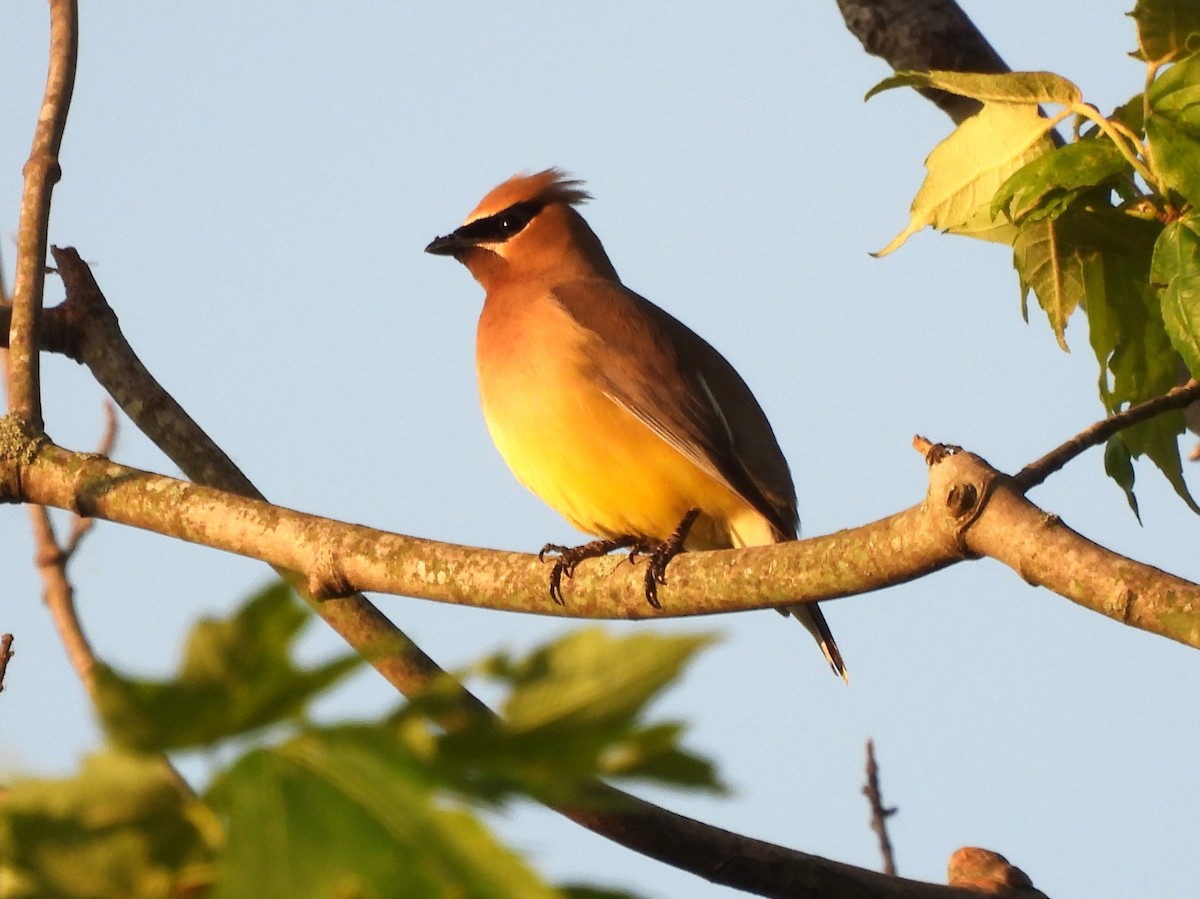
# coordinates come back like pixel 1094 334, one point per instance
pixel 449 245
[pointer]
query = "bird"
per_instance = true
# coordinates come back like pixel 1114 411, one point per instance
pixel 612 411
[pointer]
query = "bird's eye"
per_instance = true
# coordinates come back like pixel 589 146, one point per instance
pixel 515 218
pixel 501 226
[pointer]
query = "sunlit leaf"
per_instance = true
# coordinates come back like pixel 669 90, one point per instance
pixel 237 675
pixel 343 812
pixel 122 827
pixel 1030 88
pixel 1173 127
pixel 968 167
pixel 1167 29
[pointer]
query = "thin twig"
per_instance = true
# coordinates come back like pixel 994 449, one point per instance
pixel 52 560
pixel 42 172
pixel 879 813
pixel 6 653
pixel 59 595
pixel 1035 473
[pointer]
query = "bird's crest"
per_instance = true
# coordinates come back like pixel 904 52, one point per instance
pixel 549 186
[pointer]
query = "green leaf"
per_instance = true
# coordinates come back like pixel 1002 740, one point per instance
pixel 237 675
pixel 559 766
pixel 1031 88
pixel 122 827
pixel 1173 128
pixel 346 812
pixel 1113 250
pixel 654 754
pixel 363 810
pixel 1167 29
pixel 1118 465
pixel 1050 183
pixel 592 676
pixel 1158 439
pixel 1050 264
pixel 1176 273
pixel 968 167
pixel 574 713
pixel 1129 337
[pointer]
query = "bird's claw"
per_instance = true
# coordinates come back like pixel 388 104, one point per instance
pixel 569 558
pixel 659 556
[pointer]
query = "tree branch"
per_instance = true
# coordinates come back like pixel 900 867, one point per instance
pixel 42 172
pixel 1045 552
pixel 56 330
pixel 921 36
pixel 337 558
pixel 1035 473
pixel 970 510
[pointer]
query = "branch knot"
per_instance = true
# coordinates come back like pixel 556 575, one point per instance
pixel 19 445
pixel 326 577
pixel 961 483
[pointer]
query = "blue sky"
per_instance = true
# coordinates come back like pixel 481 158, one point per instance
pixel 253 185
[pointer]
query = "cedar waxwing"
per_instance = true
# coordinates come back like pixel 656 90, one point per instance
pixel 618 416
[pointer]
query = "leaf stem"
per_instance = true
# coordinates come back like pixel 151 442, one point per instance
pixel 1119 140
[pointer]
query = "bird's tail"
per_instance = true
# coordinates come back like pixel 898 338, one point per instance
pixel 813 620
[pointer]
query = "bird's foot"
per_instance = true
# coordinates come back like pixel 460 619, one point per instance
pixel 659 555
pixel 571 556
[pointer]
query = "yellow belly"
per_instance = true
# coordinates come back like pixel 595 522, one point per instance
pixel 587 456
pixel 610 475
